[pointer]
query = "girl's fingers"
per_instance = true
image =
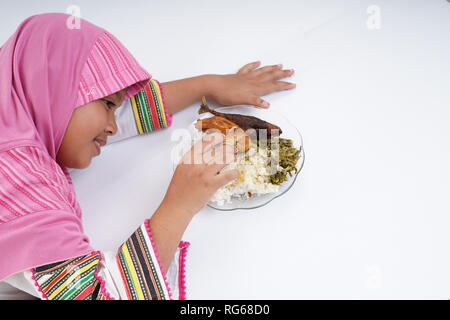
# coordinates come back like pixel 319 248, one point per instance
pixel 267 69
pixel 224 177
pixel 249 67
pixel 280 74
pixel 283 85
pixel 257 101
pixel 267 88
pixel 208 141
pixel 219 157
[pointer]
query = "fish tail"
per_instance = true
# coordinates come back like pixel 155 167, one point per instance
pixel 204 106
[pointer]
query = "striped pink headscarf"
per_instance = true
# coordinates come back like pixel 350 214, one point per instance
pixel 46 71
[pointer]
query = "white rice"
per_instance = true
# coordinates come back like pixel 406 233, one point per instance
pixel 253 180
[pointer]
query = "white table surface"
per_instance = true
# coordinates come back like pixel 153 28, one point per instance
pixel 369 214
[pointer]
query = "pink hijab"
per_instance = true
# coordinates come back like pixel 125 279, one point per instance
pixel 46 71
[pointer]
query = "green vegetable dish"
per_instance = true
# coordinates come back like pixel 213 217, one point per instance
pixel 287 157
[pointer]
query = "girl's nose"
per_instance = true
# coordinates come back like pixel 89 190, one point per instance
pixel 111 129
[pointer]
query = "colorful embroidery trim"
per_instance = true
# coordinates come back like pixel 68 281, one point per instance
pixel 73 279
pixel 142 277
pixel 148 108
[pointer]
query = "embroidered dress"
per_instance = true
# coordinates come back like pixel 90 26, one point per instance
pixel 134 271
pixel 46 71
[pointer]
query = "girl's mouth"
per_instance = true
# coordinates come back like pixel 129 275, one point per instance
pixel 97 146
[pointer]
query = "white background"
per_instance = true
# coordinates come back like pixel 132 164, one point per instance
pixel 369 214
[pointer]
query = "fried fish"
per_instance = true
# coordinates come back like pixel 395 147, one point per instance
pixel 216 122
pixel 244 122
pixel 234 135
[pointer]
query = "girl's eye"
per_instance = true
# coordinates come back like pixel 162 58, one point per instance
pixel 109 104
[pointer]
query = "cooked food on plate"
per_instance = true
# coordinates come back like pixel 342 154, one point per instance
pixel 264 161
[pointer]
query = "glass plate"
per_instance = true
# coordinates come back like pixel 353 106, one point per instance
pixel 289 132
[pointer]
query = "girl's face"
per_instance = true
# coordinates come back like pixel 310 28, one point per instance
pixel 92 122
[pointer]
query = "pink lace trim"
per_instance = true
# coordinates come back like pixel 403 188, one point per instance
pixel 100 279
pixel 44 296
pixel 184 245
pixel 147 227
pixel 168 115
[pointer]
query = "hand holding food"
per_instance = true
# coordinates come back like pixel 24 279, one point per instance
pixel 197 176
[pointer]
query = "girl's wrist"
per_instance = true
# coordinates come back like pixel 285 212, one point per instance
pixel 176 211
pixel 184 92
pixel 211 83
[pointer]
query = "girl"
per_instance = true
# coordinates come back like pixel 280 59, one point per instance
pixel 60 89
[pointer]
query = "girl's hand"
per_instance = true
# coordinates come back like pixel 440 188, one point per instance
pixel 196 177
pixel 249 83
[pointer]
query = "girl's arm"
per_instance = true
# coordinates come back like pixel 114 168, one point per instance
pixel 180 94
pixel 168 224
pixel 193 185
pixel 244 87
pixel 151 109
pixel 194 182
